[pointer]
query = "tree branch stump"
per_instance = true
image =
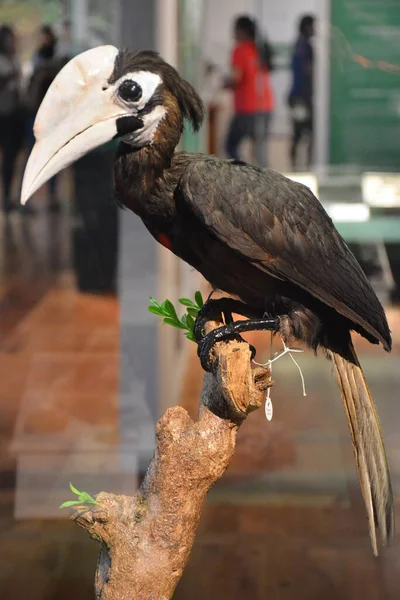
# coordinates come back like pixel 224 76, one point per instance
pixel 146 539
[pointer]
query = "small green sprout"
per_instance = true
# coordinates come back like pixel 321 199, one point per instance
pixel 83 498
pixel 167 311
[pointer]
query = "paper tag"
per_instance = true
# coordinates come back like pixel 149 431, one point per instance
pixel 269 409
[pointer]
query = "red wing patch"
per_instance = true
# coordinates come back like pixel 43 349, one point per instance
pixel 164 240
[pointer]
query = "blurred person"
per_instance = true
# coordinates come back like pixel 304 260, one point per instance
pixel 11 116
pixel 253 96
pixel 65 45
pixel 301 92
pixel 46 50
pixel 45 66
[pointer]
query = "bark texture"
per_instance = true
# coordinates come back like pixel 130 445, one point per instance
pixel 146 539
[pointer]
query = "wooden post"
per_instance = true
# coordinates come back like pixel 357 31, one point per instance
pixel 146 539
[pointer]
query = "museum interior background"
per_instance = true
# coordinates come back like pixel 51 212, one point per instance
pixel 86 370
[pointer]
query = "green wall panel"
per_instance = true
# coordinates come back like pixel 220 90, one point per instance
pixel 365 98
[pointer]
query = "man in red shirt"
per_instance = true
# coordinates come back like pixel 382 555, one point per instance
pixel 253 97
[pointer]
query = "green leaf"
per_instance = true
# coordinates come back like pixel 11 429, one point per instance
pixel 170 317
pixel 169 321
pixel 74 490
pixel 155 310
pixel 189 322
pixel 164 307
pixel 83 498
pixel 171 309
pixel 69 503
pixel 187 302
pixel 154 301
pixel 86 498
pixel 199 299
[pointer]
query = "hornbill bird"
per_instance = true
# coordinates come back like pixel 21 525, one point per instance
pixel 261 238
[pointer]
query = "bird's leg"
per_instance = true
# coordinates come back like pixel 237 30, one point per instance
pixel 214 309
pixel 229 319
pixel 232 329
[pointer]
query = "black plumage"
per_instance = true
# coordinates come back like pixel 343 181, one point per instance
pixel 256 234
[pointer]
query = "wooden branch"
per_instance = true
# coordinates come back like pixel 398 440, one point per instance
pixel 146 539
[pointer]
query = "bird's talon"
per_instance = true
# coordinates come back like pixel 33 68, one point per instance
pixel 205 354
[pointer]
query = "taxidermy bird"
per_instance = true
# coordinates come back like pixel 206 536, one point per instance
pixel 261 238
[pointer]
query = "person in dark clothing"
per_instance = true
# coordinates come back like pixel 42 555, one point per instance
pixel 11 117
pixel 46 65
pixel 301 92
pixel 253 96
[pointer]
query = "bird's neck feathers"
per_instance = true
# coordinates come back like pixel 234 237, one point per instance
pixel 139 171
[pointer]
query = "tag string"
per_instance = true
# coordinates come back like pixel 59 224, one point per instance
pixel 269 410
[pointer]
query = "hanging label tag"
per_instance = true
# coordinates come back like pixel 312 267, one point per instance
pixel 269 409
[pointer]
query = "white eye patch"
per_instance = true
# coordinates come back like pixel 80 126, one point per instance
pixel 151 122
pixel 148 81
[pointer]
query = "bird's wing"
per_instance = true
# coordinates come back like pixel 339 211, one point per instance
pixel 281 227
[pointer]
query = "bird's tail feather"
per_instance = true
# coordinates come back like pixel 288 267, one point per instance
pixel 369 451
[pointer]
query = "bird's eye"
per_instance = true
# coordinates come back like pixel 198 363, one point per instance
pixel 130 91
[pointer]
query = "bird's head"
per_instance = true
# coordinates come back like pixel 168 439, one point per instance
pixel 104 94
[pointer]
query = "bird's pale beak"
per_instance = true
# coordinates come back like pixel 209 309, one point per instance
pixel 78 114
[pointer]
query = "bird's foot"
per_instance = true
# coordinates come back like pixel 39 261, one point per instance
pixel 213 310
pixel 232 330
